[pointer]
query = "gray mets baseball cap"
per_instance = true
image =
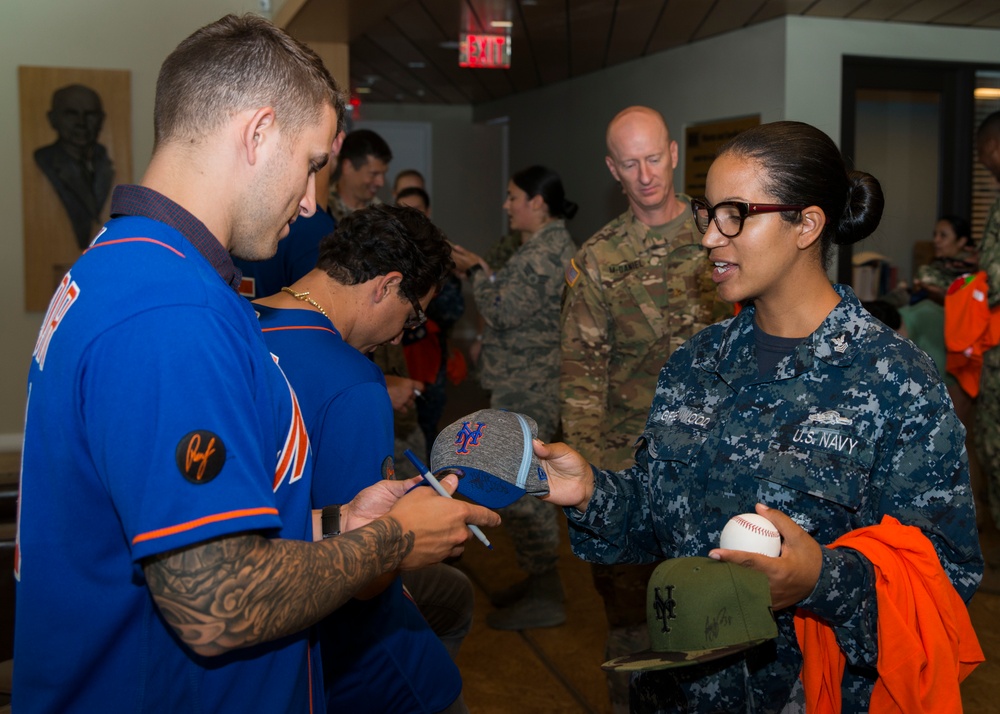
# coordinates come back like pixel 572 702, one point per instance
pixel 490 451
pixel 700 609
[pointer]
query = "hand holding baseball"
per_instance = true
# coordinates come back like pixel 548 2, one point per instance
pixel 753 533
pixel 794 573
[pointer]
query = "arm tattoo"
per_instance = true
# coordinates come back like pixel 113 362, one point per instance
pixel 243 589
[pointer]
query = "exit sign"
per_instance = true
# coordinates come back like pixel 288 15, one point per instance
pixel 491 51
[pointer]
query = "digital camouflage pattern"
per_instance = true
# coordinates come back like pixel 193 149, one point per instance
pixel 634 295
pixel 988 407
pixel 520 304
pixel 941 272
pixel 853 425
pixel 520 363
pixel 502 251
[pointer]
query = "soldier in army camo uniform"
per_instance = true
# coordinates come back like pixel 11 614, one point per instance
pixel 954 256
pixel 803 402
pixel 988 408
pixel 637 290
pixel 520 365
pixel 361 167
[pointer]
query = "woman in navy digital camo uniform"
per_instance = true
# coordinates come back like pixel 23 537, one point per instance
pixel 802 402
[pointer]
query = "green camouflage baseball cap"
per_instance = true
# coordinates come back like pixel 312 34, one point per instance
pixel 700 609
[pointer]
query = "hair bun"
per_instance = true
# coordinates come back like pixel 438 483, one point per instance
pixel 863 209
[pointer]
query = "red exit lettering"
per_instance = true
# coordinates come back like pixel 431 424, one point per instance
pixel 489 51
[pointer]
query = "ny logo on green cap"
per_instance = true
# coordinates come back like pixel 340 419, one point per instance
pixel 665 608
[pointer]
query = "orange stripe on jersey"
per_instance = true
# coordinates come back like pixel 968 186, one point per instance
pixel 296 449
pixel 197 523
pixel 298 327
pixel 137 240
pixel 309 662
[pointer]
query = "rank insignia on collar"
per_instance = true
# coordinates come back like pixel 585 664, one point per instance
pixel 840 344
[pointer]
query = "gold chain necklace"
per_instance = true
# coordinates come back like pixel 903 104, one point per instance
pixel 304 297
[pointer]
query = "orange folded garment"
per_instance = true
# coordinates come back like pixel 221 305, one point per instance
pixel 926 643
pixel 970 329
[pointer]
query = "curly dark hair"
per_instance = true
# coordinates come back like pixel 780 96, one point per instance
pixel 379 239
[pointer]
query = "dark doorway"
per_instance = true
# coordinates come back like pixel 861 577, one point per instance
pixel 895 112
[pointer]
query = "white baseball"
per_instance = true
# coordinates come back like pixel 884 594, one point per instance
pixel 752 533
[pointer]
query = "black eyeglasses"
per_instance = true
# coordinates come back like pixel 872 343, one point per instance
pixel 417 318
pixel 729 215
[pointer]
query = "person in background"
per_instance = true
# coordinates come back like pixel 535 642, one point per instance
pixel 955 255
pixel 988 402
pixel 921 308
pixel 810 411
pixel 408 178
pixel 360 172
pixel 415 197
pixel 520 366
pixel 168 525
pixel 636 290
pixel 374 276
pixel 921 305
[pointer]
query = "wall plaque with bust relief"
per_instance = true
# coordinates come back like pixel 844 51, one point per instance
pixel 76 145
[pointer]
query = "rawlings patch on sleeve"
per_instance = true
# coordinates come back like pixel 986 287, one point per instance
pixel 572 273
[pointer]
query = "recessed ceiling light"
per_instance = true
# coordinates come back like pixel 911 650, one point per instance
pixel 987 93
pixel 362 90
pixel 415 65
pixel 501 23
pixel 448 45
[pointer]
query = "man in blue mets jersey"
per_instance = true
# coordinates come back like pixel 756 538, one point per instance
pixel 374 277
pixel 165 556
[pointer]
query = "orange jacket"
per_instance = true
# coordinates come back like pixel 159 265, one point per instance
pixel 970 329
pixel 926 644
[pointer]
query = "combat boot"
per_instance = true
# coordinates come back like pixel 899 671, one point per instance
pixel 509 595
pixel 542 605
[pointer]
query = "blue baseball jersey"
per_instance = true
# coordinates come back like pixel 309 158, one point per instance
pixel 156 420
pixel 379 655
pixel 297 255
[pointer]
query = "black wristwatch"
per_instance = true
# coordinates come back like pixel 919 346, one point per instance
pixel 331 521
pixel 472 271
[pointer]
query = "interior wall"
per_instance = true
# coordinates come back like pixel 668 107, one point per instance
pixel 97 34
